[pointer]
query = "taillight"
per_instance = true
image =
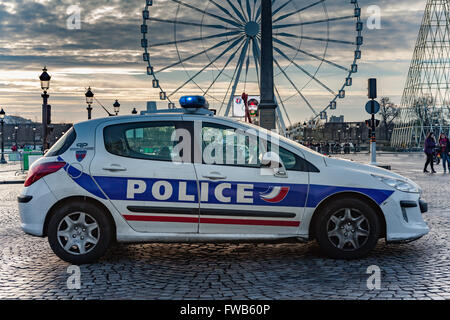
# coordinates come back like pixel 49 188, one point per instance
pixel 42 170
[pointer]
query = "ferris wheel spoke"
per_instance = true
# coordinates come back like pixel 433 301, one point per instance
pixel 208 13
pixel 258 13
pixel 215 26
pixel 256 59
pixel 254 10
pixel 236 10
pixel 306 72
pixel 242 9
pixel 291 35
pixel 238 75
pixel 247 65
pixel 310 54
pixel 282 104
pixel 225 11
pixel 224 67
pixel 220 35
pixel 220 44
pixel 281 7
pixel 231 46
pixel 282 125
pixel 281 26
pixel 249 10
pixel 287 15
pixel 295 87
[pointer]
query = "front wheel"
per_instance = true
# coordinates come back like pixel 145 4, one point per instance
pixel 347 228
pixel 79 233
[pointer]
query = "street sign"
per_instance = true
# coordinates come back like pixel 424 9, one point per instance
pixel 239 106
pixel 372 107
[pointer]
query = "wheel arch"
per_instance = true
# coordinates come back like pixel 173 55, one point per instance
pixel 68 200
pixel 341 195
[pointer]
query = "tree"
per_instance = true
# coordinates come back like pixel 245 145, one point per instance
pixel 422 110
pixel 388 112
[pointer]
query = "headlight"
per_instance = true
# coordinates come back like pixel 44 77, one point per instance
pixel 400 185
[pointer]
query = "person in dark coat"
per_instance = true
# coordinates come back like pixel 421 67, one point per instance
pixel 443 143
pixel 430 145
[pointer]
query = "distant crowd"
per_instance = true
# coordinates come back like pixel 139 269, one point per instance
pixel 333 147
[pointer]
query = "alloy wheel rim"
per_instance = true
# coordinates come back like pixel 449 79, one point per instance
pixel 348 229
pixel 78 233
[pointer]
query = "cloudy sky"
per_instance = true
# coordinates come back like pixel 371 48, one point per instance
pixel 106 53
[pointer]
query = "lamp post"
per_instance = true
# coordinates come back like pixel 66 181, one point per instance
pixel 2 117
pixel 89 100
pixel 45 85
pixel 267 107
pixel 304 131
pixel 116 106
pixel 34 138
pixel 16 129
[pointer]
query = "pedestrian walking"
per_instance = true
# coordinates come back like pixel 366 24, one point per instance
pixel 430 145
pixel 444 143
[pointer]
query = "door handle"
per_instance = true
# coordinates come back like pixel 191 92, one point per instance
pixel 214 176
pixel 114 168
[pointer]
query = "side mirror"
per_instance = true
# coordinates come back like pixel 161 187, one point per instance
pixel 271 161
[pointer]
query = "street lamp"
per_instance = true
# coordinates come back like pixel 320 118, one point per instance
pixel 89 100
pixel 304 131
pixel 16 129
pixel 2 117
pixel 34 138
pixel 116 106
pixel 134 111
pixel 45 85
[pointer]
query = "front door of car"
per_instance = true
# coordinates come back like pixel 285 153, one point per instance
pixel 134 168
pixel 237 195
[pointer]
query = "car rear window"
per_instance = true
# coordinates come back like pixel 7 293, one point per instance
pixel 146 140
pixel 62 144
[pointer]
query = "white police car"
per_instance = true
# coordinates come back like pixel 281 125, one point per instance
pixel 186 175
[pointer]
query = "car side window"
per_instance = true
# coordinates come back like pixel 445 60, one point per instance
pixel 147 140
pixel 227 146
pixel 224 145
pixel 293 162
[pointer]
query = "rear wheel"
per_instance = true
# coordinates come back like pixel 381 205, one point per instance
pixel 347 228
pixel 79 233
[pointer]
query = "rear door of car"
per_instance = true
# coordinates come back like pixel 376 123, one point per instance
pixel 134 166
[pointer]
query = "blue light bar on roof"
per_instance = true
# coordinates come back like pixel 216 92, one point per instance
pixel 194 102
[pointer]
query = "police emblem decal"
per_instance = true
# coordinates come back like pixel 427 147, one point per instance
pixel 80 155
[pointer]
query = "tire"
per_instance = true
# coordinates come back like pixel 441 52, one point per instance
pixel 343 236
pixel 86 226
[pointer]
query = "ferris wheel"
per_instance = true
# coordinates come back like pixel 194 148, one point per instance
pixel 213 48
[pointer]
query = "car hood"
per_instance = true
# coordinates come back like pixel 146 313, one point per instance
pixel 364 168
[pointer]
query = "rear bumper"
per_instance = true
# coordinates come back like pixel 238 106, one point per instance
pixel 34 203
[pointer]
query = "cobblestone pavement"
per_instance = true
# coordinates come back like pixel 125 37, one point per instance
pixel 418 270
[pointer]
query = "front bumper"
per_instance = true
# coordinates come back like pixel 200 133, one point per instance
pixel 403 214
